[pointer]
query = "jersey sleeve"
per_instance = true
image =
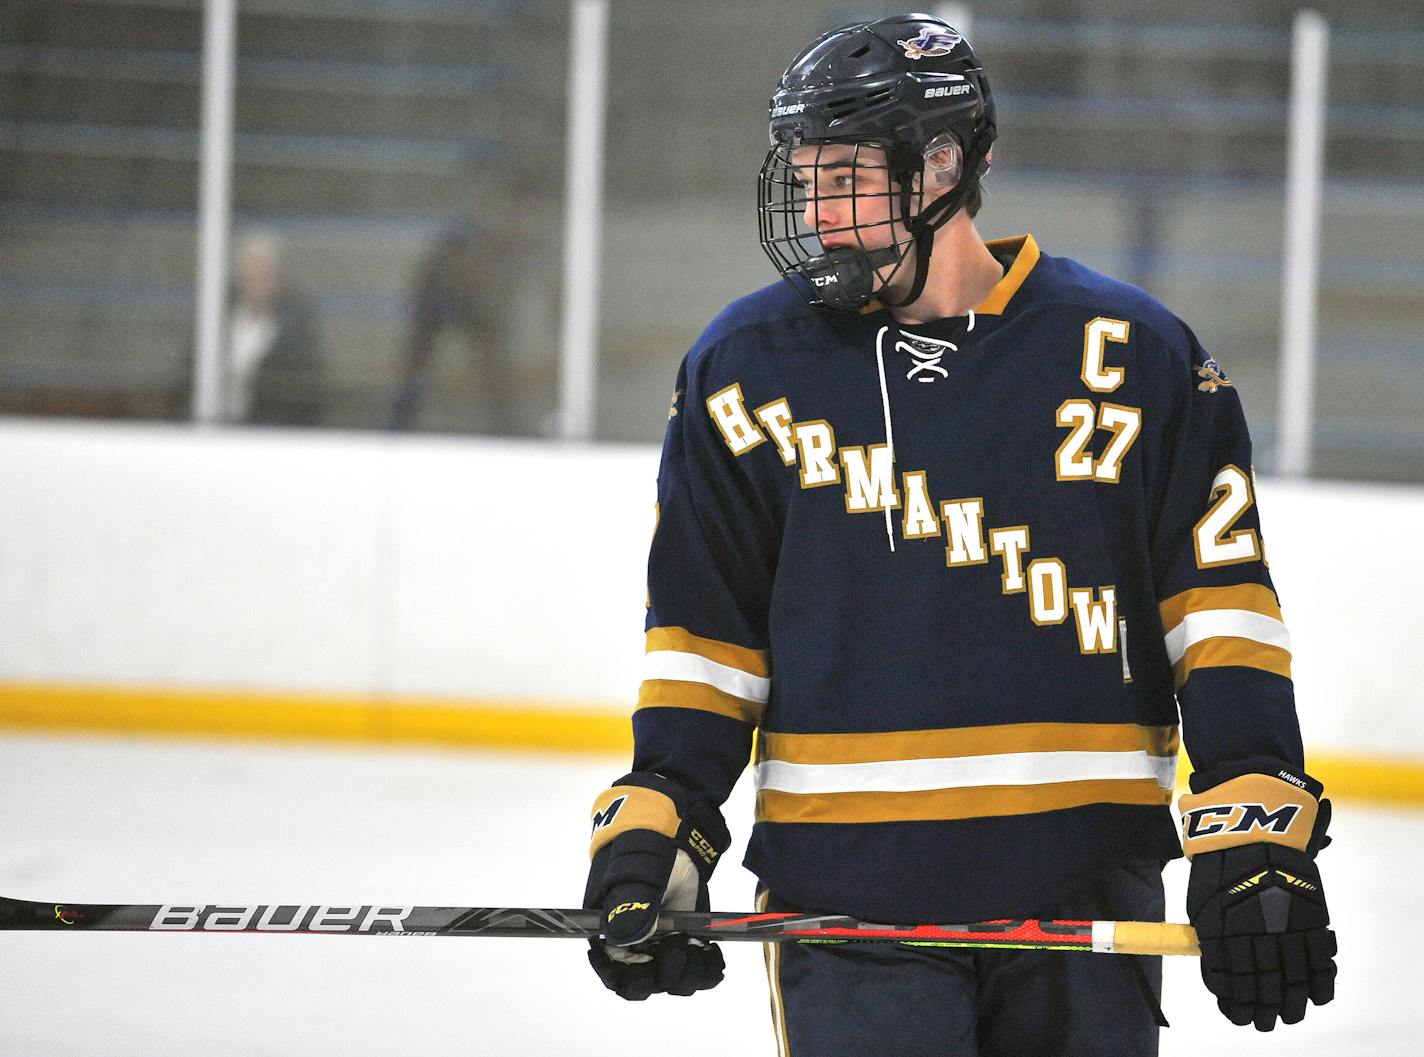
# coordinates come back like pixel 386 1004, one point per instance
pixel 707 669
pixel 1221 618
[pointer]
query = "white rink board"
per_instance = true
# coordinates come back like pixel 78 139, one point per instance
pixel 407 565
pixel 351 563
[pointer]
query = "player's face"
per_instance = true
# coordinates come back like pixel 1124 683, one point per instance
pixel 847 192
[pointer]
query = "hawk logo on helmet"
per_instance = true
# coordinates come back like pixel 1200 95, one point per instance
pixel 931 43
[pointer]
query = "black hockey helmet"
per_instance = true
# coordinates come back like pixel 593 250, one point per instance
pixel 909 85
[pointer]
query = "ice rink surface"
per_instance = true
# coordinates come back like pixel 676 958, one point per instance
pixel 165 821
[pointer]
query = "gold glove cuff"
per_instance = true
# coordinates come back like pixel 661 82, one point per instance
pixel 1251 809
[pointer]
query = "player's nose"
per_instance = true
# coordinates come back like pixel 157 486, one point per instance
pixel 821 215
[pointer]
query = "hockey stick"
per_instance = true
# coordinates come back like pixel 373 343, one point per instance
pixel 1101 937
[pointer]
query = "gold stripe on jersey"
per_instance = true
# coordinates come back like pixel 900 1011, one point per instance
pixel 1224 652
pixel 967 741
pixel 951 804
pixel 771 952
pixel 642 808
pixel 1254 598
pixel 680 640
pixel 675 693
pixel 1026 256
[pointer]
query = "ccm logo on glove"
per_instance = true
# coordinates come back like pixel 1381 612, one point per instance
pixel 1239 818
pixel 703 847
pixel 1248 809
pixel 608 814
pixel 623 908
pixel 653 849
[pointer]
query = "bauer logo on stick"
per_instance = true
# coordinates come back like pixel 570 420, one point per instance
pixel 279 918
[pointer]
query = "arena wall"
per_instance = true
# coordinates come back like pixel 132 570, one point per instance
pixel 492 592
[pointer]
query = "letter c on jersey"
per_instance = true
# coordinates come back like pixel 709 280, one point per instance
pixel 1097 376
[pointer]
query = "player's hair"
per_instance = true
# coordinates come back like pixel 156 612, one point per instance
pixel 974 200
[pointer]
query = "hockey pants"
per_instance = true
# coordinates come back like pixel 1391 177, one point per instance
pixel 887 1000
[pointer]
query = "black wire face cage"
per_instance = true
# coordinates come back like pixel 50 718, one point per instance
pixel 818 200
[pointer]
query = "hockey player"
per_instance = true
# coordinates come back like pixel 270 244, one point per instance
pixel 962 531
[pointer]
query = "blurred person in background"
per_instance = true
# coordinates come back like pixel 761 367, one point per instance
pixel 273 370
pixel 966 534
pixel 274 363
pixel 453 293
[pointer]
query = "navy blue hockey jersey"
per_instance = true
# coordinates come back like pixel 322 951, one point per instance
pixel 960 576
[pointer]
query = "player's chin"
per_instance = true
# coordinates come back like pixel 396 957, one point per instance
pixel 894 290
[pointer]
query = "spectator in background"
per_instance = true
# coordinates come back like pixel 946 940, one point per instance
pixel 274 361
pixel 453 291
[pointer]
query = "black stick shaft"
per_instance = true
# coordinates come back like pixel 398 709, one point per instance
pixel 309 919
pixel 377 920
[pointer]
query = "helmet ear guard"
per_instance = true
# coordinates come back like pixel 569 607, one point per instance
pixel 944 160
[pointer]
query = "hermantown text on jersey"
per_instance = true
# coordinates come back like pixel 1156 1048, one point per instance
pixel 971 582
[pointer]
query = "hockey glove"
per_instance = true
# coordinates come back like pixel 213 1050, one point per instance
pixel 652 849
pixel 1251 831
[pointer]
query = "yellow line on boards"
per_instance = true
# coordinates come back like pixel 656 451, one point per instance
pixel 1387 779
pixel 248 714
pixel 1391 781
pixel 496 724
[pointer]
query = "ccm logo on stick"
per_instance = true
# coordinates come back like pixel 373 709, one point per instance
pixel 280 919
pixel 1240 818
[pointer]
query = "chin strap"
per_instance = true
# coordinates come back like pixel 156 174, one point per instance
pixel 938 213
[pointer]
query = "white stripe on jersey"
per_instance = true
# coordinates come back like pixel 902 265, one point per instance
pixel 1225 623
pixel 964 772
pixel 693 668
